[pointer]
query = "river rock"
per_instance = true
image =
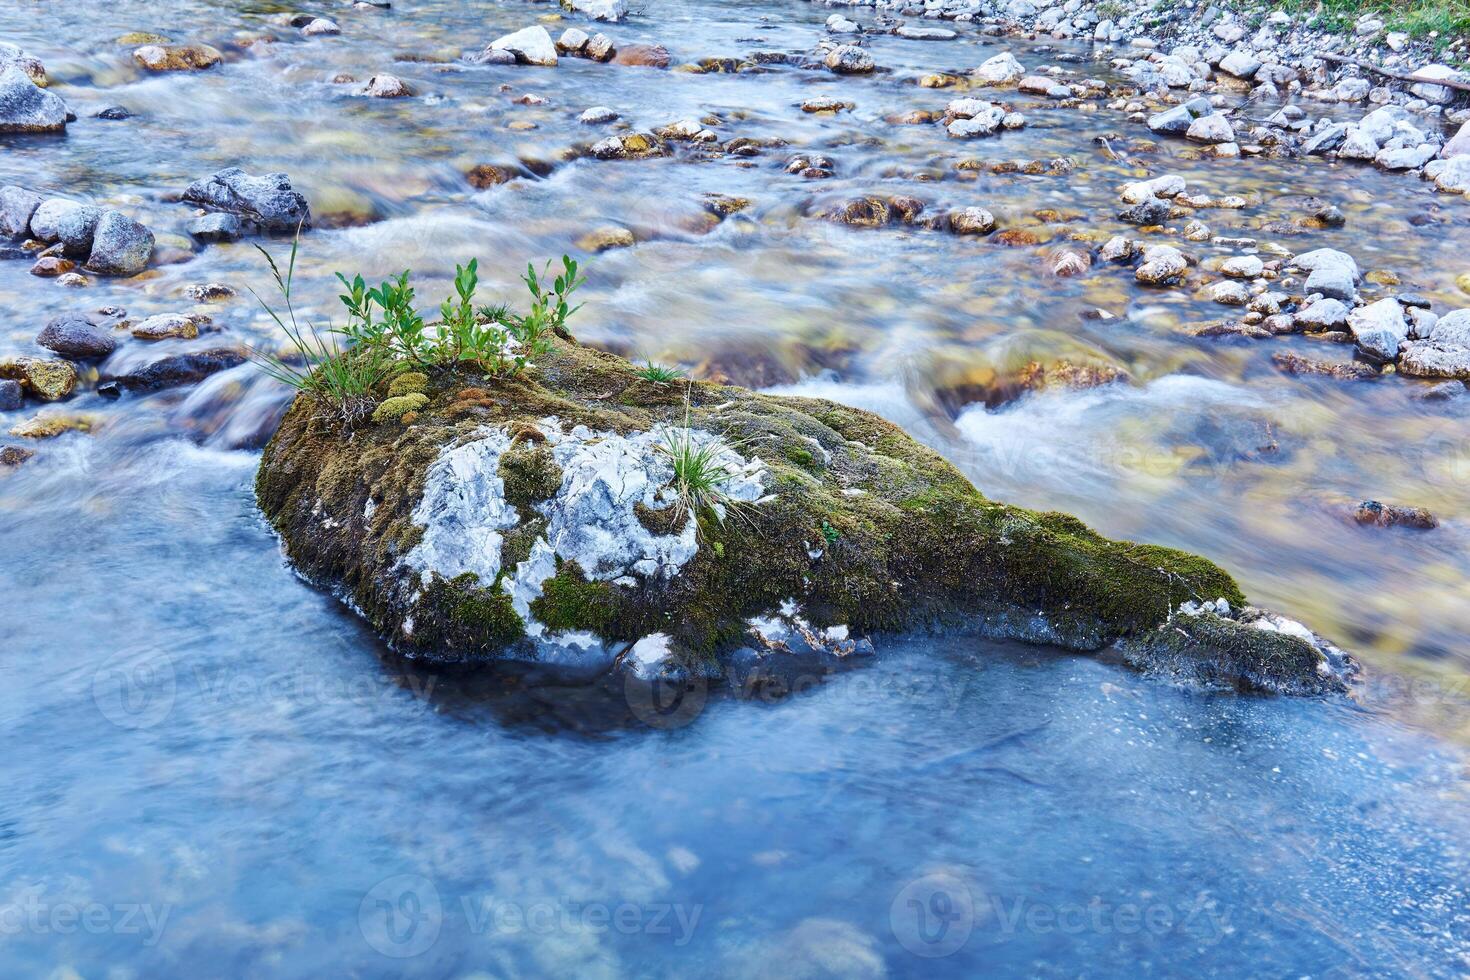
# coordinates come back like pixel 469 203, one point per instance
pixel 1373 512
pixel 597 114
pixel 267 201
pixel 608 10
pixel 1333 281
pixel 1214 128
pixel 1240 64
pixel 636 55
pixel 1406 157
pixel 1339 370
pixel 120 245
pixel 45 378
pixel 1454 176
pixel 573 41
pixel 1437 94
pixel 1163 265
pixel 11 55
pixel 216 226
pixel 849 59
pixel 320 27
pixel 17 207
pixel 1459 144
pixel 25 108
pixel 67 222
pixel 916 33
pixel 176 57
pixel 1176 121
pixel 76 338
pixel 167 326
pixel 1379 328
pixel 385 86
pixel 177 369
pixel 1149 212
pixel 1434 359
pixel 1242 267
pixel 530 45
pixel 1167 185
pixel 600 48
pixel 1317 258
pixel 1042 85
pixel 1452 328
pixel 12 395
pixel 1324 314
pixel 971 221
pixel 565 544
pixel 1325 140
pixel 1358 144
pixel 1003 69
pixel 1230 293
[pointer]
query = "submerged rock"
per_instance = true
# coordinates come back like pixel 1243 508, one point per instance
pixel 177 369
pixel 176 57
pixel 540 518
pixel 267 201
pixel 1394 515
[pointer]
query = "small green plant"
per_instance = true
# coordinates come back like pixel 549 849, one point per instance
pixel 345 367
pixel 657 373
pixel 830 534
pixel 340 375
pixel 701 480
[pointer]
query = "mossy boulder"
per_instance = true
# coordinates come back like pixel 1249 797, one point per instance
pixel 542 517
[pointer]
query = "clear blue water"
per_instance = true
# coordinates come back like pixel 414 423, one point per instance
pixel 213 769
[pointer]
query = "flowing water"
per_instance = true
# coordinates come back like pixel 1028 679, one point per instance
pixel 226 772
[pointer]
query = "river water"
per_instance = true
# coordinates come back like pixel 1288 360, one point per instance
pixel 215 769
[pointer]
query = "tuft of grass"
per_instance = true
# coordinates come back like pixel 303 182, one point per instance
pixel 700 478
pixel 658 373
pixel 339 376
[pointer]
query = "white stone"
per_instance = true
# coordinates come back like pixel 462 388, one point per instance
pixel 1242 267
pixel 530 45
pixel 1003 69
pixel 1165 186
pixel 1214 128
pixel 1315 259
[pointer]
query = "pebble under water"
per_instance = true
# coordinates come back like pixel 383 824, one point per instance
pixel 215 769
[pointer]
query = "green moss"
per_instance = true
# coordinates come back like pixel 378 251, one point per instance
pixel 515 546
pixel 569 602
pixel 392 409
pixel 1211 650
pixel 408 384
pixel 530 474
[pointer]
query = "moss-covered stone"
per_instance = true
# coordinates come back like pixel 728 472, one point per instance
pixel 408 383
pixel 569 602
pixel 860 525
pixel 530 474
pixel 393 409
